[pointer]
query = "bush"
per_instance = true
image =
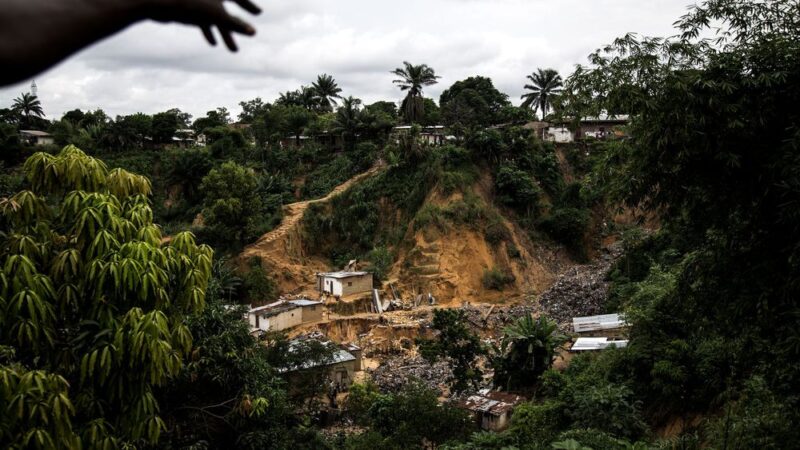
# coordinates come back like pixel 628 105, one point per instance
pixel 517 189
pixel 497 279
pixel 538 422
pixel 258 285
pixel 610 408
pixel 567 226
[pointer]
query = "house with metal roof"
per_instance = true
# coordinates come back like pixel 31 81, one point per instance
pixel 283 315
pixel 344 283
pixel 491 410
pixel 35 137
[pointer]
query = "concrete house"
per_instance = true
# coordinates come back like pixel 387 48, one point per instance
pixel 342 284
pixel 491 410
pixel 38 138
pixel 341 368
pixel 284 315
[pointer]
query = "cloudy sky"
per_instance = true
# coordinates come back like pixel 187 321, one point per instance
pixel 153 67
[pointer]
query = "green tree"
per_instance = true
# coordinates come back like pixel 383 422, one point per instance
pixel 545 85
pixel 29 106
pixel 479 96
pixel 231 211
pixel 413 79
pixel 93 307
pixel 327 91
pixel 348 121
pixel 252 110
pixel 527 349
pixel 164 126
pixel 454 341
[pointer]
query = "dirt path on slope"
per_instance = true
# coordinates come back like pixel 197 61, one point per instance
pixel 281 249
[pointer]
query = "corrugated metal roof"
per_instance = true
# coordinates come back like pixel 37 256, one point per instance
pixel 305 302
pixel 492 402
pixel 600 343
pixel 342 274
pixel 597 323
pixel 35 133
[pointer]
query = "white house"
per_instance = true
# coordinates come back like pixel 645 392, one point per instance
pixel 34 137
pixel 341 284
pixel 283 315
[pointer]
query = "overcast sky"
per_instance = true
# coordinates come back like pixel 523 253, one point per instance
pixel 153 67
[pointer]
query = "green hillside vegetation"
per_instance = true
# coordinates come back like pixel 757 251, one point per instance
pixel 112 336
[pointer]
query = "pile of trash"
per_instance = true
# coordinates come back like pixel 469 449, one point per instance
pixel 581 291
pixel 396 372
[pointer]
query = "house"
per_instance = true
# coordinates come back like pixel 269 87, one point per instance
pixel 598 323
pixel 432 135
pixel 565 131
pixel 597 343
pixel 38 138
pixel 283 315
pixel 341 367
pixel 342 284
pixel 491 410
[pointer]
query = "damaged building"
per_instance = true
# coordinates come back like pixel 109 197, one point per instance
pixel 491 410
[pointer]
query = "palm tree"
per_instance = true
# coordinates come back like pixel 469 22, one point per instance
pixel 28 105
pixel 326 91
pixel 412 79
pixel 527 350
pixel 348 120
pixel 546 84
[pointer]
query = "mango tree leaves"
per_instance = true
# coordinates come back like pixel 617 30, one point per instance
pixel 94 302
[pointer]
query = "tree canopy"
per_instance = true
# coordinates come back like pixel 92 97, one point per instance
pixel 91 306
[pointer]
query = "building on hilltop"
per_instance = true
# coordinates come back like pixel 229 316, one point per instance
pixel 283 315
pixel 37 138
pixel 342 284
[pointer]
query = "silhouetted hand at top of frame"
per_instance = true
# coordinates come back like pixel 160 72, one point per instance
pixel 205 14
pixel 37 34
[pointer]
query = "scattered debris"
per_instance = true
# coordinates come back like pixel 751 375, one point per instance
pixel 581 291
pixel 397 371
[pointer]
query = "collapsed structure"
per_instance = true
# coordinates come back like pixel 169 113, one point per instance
pixel 491 410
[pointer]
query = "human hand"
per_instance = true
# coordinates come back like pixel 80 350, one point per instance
pixel 206 14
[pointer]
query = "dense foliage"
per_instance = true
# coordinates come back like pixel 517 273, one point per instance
pixel 93 306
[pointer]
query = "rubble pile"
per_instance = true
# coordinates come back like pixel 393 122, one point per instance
pixel 495 318
pixel 581 291
pixel 396 372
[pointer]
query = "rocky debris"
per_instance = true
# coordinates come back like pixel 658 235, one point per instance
pixel 581 291
pixel 396 372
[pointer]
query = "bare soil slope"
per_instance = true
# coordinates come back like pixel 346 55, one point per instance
pixel 451 263
pixel 281 250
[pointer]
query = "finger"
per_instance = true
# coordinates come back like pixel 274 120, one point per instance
pixel 228 38
pixel 249 6
pixel 209 34
pixel 235 24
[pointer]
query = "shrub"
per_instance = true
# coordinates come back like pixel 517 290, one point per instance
pixel 538 422
pixel 258 285
pixel 517 189
pixel 567 226
pixel 608 407
pixel 497 279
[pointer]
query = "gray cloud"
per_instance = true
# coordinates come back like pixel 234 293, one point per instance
pixel 152 67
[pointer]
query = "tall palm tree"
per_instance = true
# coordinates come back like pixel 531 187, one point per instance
pixel 327 91
pixel 28 105
pixel 545 84
pixel 528 348
pixel 412 79
pixel 348 120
